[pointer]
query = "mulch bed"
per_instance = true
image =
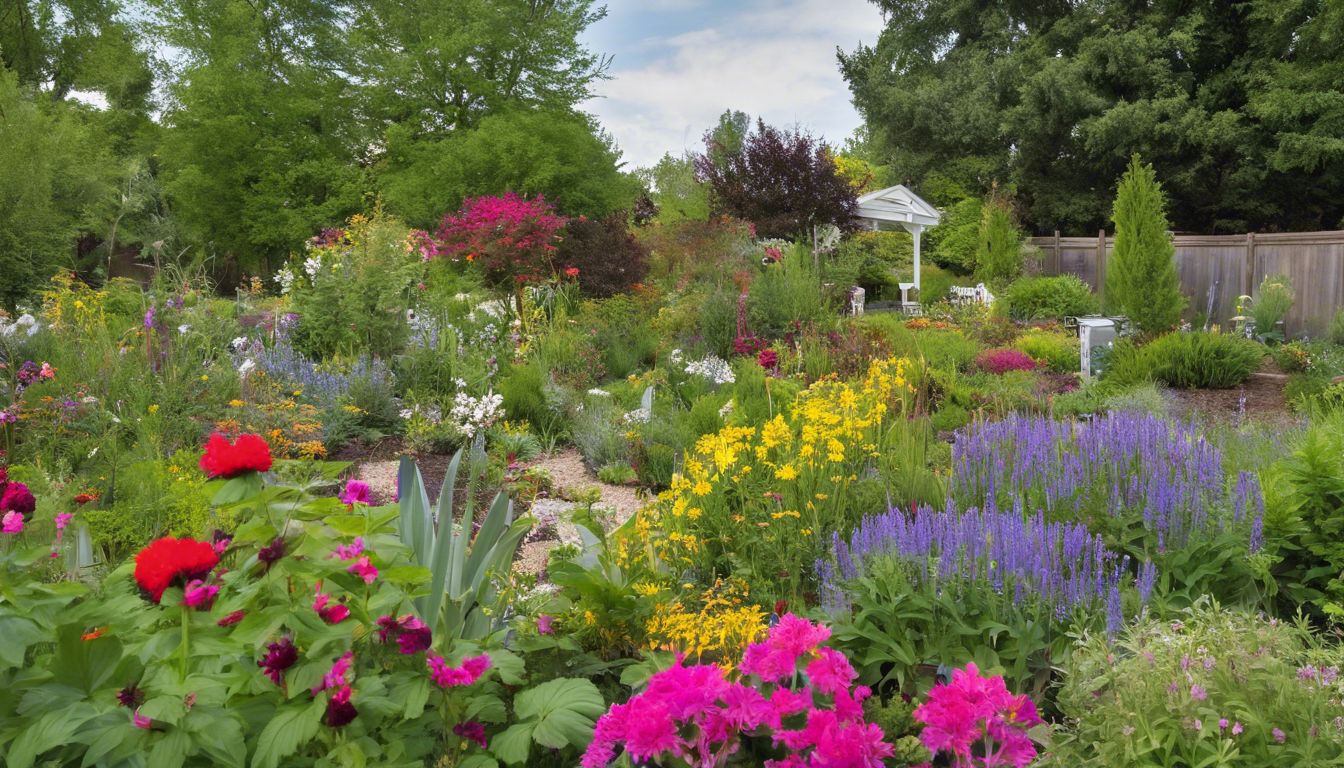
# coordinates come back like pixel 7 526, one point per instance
pixel 1263 400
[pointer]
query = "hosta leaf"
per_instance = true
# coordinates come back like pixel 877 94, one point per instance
pixel 513 744
pixel 564 710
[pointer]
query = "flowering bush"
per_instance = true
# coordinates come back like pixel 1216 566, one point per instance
pixel 1001 361
pixel 510 238
pixel 977 714
pixel 1216 687
pixel 756 502
pixel 789 690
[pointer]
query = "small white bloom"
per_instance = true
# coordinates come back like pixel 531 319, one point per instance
pixel 94 452
pixel 183 328
pixel 726 409
pixel 311 265
pixel 89 400
pixel 599 392
pixel 248 365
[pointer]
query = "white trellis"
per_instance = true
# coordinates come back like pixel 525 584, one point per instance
pixel 896 208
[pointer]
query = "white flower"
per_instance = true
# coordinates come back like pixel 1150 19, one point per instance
pixel 311 265
pixel 246 368
pixel 238 343
pixel 115 419
pixel 90 400
pixel 285 277
pixel 599 392
pixel 675 356
pixel 183 328
pixel 406 413
pixel 726 409
pixel 638 416
pixel 94 452
pixel 713 368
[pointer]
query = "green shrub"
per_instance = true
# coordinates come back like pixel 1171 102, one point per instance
pixel 1124 366
pixel 1203 359
pixel 1146 397
pixel 530 397
pixel 999 253
pixel 718 323
pixel 783 295
pixel 952 244
pixel 616 474
pixel 1033 298
pixel 950 418
pixel 946 349
pixel 1141 277
pixel 1058 351
pixel 1294 357
pixel 1216 688
pixel 1271 304
pixel 1336 331
pixel 935 283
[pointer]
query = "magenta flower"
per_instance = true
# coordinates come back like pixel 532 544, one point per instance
pixel 1236 728
pixel 141 721
pixel 472 731
pixel 1222 724
pixel 411 633
pixel 364 569
pixel 280 656
pixel 63 519
pixel 1279 735
pixel 339 709
pixel 973 709
pixel 469 672
pixel 335 678
pixel 332 614
pixel 1198 693
pixel 830 672
pixel 355 549
pixel 12 523
pixel 544 625
pixel 198 594
pixel 356 492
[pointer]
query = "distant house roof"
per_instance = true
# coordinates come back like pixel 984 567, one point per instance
pixel 896 208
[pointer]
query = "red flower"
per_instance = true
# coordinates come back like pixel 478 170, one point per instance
pixel 170 561
pixel 18 498
pixel 572 271
pixel 231 619
pixel 83 499
pixel 222 459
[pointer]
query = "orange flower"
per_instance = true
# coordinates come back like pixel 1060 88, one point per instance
pixel 95 634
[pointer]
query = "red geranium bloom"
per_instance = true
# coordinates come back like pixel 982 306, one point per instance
pixel 83 499
pixel 170 561
pixel 223 459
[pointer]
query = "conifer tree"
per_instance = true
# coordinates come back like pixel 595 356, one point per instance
pixel 1141 278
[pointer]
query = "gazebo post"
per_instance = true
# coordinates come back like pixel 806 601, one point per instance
pixel 915 230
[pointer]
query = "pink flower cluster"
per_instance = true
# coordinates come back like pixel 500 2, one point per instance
pixel 332 614
pixel 1001 361
pixel 512 237
pixel 975 709
pixel 467 673
pixel 697 714
pixel 411 633
pixel 361 567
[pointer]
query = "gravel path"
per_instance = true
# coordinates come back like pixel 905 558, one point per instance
pixel 571 475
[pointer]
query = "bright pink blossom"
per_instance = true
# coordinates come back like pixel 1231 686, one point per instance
pixel 141 721
pixel 353 550
pixel 198 594
pixel 469 672
pixel 364 569
pixel 973 709
pixel 12 523
pixel 335 678
pixel 356 492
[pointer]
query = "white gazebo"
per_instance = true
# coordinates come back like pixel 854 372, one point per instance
pixel 898 208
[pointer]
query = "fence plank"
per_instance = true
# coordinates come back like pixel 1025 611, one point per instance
pixel 1235 264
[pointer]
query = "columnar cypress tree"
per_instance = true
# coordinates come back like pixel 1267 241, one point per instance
pixel 1141 278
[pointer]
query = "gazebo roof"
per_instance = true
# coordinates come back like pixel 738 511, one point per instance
pixel 897 208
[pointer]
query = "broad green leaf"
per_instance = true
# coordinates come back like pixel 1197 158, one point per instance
pixel 477 761
pixel 291 728
pixel 172 750
pixel 513 744
pixel 564 710
pixel 413 696
pixel 16 634
pixel 48 732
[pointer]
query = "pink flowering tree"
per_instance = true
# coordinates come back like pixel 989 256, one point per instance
pixel 977 722
pixel 788 688
pixel 511 239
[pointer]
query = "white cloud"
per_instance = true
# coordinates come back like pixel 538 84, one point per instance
pixel 774 59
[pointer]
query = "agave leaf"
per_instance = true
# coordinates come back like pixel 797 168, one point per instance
pixel 444 543
pixel 496 521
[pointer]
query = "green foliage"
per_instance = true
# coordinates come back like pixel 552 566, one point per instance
pixel 876 261
pixel 1041 298
pixel 461 567
pixel 1202 359
pixel 1270 305
pixel 530 397
pixel 616 474
pixel 1336 332
pixel 1057 96
pixel 950 418
pixel 718 321
pixel 565 158
pixel 1059 351
pixel 1226 670
pixel 1141 278
pixel 947 349
pixel 1313 477
pixel 954 242
pixel 783 295
pixel 935 283
pixel 150 499
pixel 998 253
pixel 676 191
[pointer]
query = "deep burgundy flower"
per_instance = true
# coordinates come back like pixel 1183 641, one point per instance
pixel 472 731
pixel 272 552
pixel 130 696
pixel 83 499
pixel 231 619
pixel 224 459
pixel 17 498
pixel 170 561
pixel 415 638
pixel 280 656
pixel 339 709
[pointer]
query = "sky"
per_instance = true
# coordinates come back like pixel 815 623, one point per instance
pixel 678 64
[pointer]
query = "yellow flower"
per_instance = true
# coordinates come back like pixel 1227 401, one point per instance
pixel 154 408
pixel 786 472
pixel 701 488
pixel 237 403
pixel 204 377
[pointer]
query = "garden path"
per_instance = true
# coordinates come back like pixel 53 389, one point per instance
pixel 571 475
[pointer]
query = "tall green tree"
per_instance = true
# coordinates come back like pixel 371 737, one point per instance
pixel 1141 278
pixel 263 142
pixel 675 190
pixel 1235 104
pixel 998 254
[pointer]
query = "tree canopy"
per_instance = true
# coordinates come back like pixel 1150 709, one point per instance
pixel 1236 105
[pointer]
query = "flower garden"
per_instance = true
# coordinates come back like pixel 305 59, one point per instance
pixel 867 540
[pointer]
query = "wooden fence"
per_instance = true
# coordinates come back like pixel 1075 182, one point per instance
pixel 1228 265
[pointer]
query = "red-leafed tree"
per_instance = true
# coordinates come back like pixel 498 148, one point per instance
pixel 608 256
pixel 783 181
pixel 511 239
